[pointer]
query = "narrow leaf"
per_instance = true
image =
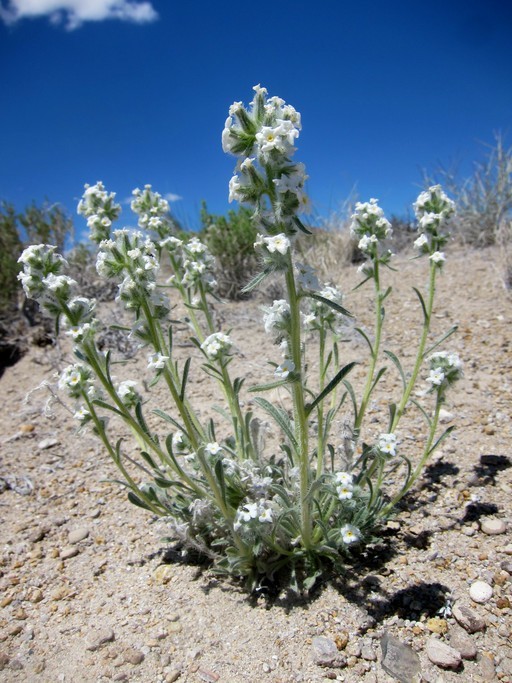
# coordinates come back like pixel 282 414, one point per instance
pixel 301 226
pixel 366 338
pixel 441 340
pixel 422 302
pixel 328 302
pixel 280 417
pixel 398 365
pixel 184 380
pixel 137 501
pixel 332 385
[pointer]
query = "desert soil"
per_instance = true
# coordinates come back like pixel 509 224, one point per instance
pixel 91 592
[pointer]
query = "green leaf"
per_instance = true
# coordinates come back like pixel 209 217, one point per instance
pixel 392 413
pixel 366 338
pixel 422 411
pixel 168 418
pixel 270 385
pixel 398 365
pixel 301 226
pixel 422 302
pixel 441 339
pixel 328 302
pixel 281 417
pixel 137 501
pixel 331 386
pixel 149 459
pixel 107 406
pixel 441 438
pixel 184 380
pixel 219 473
pixel 141 420
pixel 258 279
pixel 352 395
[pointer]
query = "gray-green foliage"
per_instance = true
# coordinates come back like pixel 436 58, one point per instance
pixel 10 247
pixel 484 199
pixel 230 240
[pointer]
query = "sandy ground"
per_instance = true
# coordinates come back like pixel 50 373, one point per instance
pixel 90 591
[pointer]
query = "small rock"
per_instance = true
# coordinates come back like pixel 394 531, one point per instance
pixel 68 552
pixel 133 656
pixel 507 549
pixel 487 670
pixel 163 574
pixel 341 640
pixel 480 592
pixel 172 676
pixel 368 653
pixel 445 416
pixel 470 621
pixel 208 676
pixel 442 654
pixel 503 603
pixel 100 639
pixel 4 660
pixel 26 428
pixel 47 443
pixel 325 652
pixel 493 527
pixel 437 625
pixel 36 595
pixel 399 660
pixel 462 643
pixel 38 534
pixel 77 535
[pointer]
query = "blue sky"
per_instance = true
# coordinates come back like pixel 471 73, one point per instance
pixel 133 92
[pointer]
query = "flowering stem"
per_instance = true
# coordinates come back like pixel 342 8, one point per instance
pixel 421 349
pixel 300 417
pixel 320 410
pixel 379 319
pixel 419 467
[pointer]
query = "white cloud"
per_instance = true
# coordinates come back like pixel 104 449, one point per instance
pixel 171 197
pixel 73 13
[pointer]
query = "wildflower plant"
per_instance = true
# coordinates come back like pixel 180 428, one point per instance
pixel 303 505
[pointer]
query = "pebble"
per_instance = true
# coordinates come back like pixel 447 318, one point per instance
pixel 437 625
pixel 487 669
pixel 480 592
pixel 100 639
pixel 442 654
pixel 492 527
pixel 47 443
pixel 468 619
pixel 163 574
pixel 68 551
pixel 325 652
pixel 507 549
pixel 133 656
pixel 4 660
pixel 77 535
pixel 460 640
pixel 38 534
pixel 399 660
pixel 445 416
pixel 172 676
pixel 208 676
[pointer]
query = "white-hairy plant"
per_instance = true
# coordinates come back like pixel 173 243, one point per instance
pixel 254 514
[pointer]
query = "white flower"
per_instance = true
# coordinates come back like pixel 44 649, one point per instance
pixel 387 444
pixel 178 441
pixel 350 534
pixel 438 257
pixel 213 448
pixel 306 277
pixel 282 371
pixel 436 377
pixel 422 241
pixel 216 345
pixel 81 414
pixel 248 512
pixel 345 491
pixel 265 515
pixel 279 243
pixel 344 478
pixel 156 361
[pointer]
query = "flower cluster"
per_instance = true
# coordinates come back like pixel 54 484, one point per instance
pixel 445 369
pixel 217 345
pixel 370 226
pixel 386 444
pixel 127 393
pixel 153 211
pixel 263 138
pixel 276 319
pixel 321 315
pixel 132 257
pixel 344 485
pixel 76 380
pixel 43 281
pixel 433 209
pixel 99 208
pixel 259 511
